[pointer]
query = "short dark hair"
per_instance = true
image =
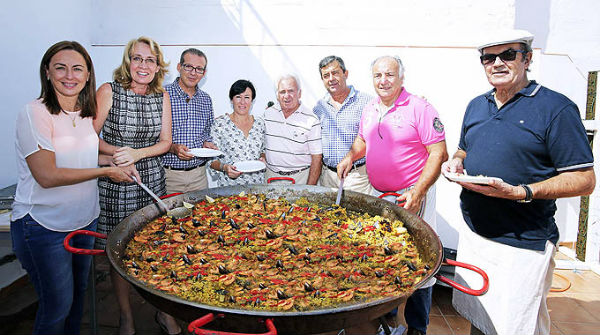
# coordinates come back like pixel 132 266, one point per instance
pixel 239 87
pixel 525 47
pixel 87 97
pixel 193 51
pixel 330 59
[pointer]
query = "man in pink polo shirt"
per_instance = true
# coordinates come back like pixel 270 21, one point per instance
pixel 403 140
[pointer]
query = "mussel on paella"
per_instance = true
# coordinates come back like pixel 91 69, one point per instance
pixel 251 252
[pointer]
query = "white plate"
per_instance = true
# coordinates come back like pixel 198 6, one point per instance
pixel 470 179
pixel 249 166
pixel 205 152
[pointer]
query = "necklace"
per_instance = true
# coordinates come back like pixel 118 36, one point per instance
pixel 72 118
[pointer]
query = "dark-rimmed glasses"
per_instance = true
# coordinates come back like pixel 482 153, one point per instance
pixel 505 56
pixel 190 68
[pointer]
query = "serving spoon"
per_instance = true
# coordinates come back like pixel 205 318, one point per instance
pixel 339 194
pixel 179 212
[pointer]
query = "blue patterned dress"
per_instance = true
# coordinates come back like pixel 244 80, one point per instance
pixel 237 148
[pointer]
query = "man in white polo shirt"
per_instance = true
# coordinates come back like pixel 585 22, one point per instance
pixel 293 136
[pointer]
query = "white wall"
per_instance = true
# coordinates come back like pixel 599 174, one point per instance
pixel 257 40
pixel 27 29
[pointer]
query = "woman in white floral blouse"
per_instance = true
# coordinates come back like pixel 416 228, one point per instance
pixel 240 136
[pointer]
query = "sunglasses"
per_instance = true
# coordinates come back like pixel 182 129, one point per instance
pixel 505 56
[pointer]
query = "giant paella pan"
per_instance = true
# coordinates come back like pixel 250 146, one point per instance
pixel 290 321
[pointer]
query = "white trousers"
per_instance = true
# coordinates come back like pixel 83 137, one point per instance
pixel 520 280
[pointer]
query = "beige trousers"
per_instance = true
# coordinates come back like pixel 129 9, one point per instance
pixel 186 181
pixel 356 180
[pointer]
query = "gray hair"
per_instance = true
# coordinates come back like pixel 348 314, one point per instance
pixel 396 58
pixel 287 76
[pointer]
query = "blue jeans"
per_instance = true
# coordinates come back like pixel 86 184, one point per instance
pixel 416 310
pixel 59 277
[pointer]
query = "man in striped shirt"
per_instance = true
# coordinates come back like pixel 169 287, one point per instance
pixel 293 136
pixel 339 112
pixel 192 115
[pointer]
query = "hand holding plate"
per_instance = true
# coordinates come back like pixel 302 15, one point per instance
pixel 210 145
pixel 231 171
pixel 496 188
pixel 181 151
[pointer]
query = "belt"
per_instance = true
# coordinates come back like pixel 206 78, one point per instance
pixel 334 169
pixel 184 169
pixel 289 173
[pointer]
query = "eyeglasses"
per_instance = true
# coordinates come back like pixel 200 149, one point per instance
pixel 505 56
pixel 189 68
pixel 137 60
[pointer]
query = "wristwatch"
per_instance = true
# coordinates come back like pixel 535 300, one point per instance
pixel 528 194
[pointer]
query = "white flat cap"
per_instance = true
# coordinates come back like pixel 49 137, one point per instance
pixel 507 37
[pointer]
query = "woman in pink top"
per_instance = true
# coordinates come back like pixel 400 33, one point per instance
pixel 57 192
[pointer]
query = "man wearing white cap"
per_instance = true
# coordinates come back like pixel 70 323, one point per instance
pixel 533 139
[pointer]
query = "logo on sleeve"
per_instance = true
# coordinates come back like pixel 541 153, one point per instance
pixel 438 125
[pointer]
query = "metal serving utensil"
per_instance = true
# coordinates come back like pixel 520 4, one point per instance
pixel 179 212
pixel 339 194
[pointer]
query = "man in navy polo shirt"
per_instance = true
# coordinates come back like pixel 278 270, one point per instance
pixel 533 139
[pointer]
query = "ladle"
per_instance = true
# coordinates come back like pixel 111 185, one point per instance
pixel 339 194
pixel 179 212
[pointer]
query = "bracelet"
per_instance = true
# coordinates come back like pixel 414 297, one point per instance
pixel 528 194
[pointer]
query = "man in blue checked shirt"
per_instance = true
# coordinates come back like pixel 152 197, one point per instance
pixel 192 118
pixel 340 111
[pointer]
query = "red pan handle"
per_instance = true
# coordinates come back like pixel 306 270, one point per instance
pixel 486 280
pixel 194 326
pixel 79 251
pixel 281 178
pixel 170 195
pixel 394 194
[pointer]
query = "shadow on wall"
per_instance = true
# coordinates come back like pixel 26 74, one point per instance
pixel 446 231
pixel 534 16
pixel 236 37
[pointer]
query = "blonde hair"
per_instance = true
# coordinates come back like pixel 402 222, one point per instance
pixel 122 75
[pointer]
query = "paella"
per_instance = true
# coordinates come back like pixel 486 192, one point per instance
pixel 249 251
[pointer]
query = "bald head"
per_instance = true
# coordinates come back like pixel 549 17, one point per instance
pixel 388 77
